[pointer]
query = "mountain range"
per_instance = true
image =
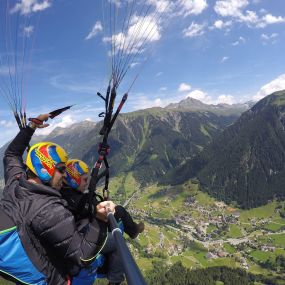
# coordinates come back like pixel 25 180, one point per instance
pixel 235 151
pixel 148 142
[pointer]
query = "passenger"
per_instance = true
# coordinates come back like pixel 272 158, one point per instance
pixel 40 242
pixel 74 185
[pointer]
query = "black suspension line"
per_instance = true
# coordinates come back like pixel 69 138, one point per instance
pixel 133 39
pixel 147 38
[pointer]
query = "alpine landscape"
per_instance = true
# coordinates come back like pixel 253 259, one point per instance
pixel 208 181
pixel 172 109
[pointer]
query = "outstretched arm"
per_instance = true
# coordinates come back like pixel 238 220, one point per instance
pixel 13 161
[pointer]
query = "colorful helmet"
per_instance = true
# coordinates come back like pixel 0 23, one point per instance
pixel 75 168
pixel 43 157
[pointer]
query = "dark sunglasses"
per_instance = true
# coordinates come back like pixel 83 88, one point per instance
pixel 61 169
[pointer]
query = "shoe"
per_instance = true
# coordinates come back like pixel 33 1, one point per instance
pixel 139 229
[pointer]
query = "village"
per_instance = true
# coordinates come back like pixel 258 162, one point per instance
pixel 217 229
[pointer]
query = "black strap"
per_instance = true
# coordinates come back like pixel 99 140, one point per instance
pixel 104 148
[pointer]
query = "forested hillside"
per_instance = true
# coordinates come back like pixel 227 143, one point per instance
pixel 246 163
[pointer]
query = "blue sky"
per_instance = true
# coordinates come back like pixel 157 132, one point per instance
pixel 217 51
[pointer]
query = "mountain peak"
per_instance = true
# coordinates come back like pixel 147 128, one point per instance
pixel 187 103
pixel 194 105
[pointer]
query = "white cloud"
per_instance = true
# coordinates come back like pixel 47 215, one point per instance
pixel 116 2
pixel 144 102
pixel 224 59
pixel 230 8
pixel 269 38
pixel 274 85
pixel 30 6
pixel 7 134
pixel 41 6
pixel 158 74
pixel 266 37
pixel 250 18
pixel 184 87
pixel 87 110
pixel 161 6
pixel 225 99
pixel 270 19
pixel 207 99
pixel 219 24
pixel 8 128
pixel 193 7
pixel 162 89
pixel 133 64
pixel 194 30
pixel 142 31
pixel 198 95
pixel 8 124
pixel 240 41
pixel 28 31
pixel 63 122
pixel 97 28
pixel 235 9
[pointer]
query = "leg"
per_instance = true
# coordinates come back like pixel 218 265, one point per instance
pixel 130 227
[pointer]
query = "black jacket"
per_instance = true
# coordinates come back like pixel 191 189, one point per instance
pixel 46 227
pixel 78 202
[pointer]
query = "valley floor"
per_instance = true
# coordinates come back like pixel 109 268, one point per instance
pixel 185 224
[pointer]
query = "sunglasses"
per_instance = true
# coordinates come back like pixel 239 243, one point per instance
pixel 61 169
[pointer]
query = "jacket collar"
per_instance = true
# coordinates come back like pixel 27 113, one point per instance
pixel 38 188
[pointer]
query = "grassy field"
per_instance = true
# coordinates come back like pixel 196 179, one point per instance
pixel 267 211
pixel 275 226
pixel 234 231
pixel 229 248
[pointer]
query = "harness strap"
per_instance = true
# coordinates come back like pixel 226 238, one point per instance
pixel 104 148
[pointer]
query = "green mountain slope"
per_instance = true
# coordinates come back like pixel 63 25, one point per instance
pixel 246 163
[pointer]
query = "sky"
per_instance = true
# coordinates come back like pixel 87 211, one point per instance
pixel 216 51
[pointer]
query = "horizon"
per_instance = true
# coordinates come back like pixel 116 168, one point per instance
pixel 51 128
pixel 218 52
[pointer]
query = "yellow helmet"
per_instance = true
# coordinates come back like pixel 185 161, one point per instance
pixel 75 168
pixel 43 158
